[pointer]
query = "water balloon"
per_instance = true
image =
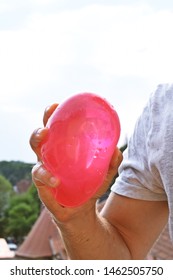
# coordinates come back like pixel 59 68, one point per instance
pixel 83 133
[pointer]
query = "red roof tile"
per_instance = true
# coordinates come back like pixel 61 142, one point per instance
pixel 43 241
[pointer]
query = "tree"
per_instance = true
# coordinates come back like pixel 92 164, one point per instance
pixel 6 191
pixel 22 213
pixel 14 171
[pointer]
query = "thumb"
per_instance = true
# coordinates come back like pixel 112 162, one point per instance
pixel 116 159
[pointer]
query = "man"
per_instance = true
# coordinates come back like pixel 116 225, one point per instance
pixel 137 209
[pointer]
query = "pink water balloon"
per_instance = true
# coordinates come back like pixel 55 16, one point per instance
pixel 83 133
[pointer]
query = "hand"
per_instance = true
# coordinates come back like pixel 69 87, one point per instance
pixel 44 180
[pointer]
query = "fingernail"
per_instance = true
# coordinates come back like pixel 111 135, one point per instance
pixel 53 181
pixel 39 130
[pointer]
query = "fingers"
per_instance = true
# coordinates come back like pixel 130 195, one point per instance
pixel 114 165
pixel 48 112
pixel 116 159
pixel 112 171
pixel 40 134
pixel 36 138
pixel 41 177
pixel 43 181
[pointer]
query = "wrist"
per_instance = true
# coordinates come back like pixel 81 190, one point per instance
pixel 75 217
pixel 76 230
pixel 77 234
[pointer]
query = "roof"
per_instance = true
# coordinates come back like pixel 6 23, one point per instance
pixel 43 241
pixel 5 252
pixel 22 186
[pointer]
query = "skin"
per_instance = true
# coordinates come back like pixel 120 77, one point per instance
pixel 126 228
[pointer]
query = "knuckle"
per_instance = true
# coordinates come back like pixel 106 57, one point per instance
pixel 37 171
pixel 40 174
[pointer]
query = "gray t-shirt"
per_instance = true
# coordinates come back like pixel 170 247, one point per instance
pixel 147 169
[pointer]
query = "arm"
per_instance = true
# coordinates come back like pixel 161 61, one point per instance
pixel 139 222
pixel 125 229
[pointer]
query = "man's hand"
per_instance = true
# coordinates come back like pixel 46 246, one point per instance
pixel 44 180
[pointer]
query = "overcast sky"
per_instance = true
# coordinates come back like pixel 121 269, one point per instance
pixel 50 50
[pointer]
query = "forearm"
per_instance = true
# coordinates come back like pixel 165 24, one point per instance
pixel 92 237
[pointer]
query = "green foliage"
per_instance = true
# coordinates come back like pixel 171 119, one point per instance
pixel 14 171
pixel 22 213
pixel 123 148
pixel 5 192
pixel 18 211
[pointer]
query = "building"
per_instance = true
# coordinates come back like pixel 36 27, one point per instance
pixel 43 241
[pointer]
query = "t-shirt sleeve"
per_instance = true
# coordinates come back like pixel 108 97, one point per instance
pixel 141 172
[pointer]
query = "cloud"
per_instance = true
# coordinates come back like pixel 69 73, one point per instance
pixel 119 52
pixel 115 40
pixel 134 42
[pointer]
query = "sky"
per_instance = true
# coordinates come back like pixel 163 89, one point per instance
pixel 51 50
